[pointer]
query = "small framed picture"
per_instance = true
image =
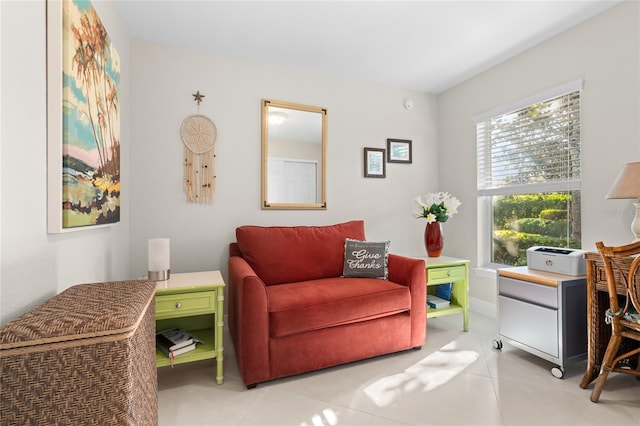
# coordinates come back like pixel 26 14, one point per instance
pixel 398 151
pixel 374 164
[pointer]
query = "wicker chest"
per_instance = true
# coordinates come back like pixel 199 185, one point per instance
pixel 86 356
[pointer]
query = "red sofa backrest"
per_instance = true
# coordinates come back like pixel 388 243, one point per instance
pixel 285 254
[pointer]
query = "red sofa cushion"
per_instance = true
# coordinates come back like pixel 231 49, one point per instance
pixel 312 305
pixel 286 254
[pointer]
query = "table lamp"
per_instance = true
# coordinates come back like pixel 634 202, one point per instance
pixel 159 259
pixel 627 186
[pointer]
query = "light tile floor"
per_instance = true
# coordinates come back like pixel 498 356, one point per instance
pixel 457 378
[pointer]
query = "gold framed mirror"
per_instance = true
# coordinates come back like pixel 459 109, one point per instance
pixel 294 146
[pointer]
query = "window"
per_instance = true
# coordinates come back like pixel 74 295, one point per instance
pixel 529 176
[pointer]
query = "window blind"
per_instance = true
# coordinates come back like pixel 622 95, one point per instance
pixel 531 149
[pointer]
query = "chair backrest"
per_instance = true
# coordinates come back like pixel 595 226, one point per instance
pixel 622 266
pixel 285 254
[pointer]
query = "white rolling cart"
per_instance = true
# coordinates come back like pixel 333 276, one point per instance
pixel 543 313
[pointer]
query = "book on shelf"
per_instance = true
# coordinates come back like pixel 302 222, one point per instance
pixel 174 338
pixel 443 291
pixel 174 353
pixel 437 302
pixel 174 342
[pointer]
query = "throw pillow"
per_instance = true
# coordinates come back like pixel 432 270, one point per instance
pixel 365 259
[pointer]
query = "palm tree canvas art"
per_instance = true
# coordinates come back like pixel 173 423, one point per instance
pixel 90 119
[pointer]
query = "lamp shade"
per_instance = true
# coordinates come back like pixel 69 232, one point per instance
pixel 627 184
pixel 159 259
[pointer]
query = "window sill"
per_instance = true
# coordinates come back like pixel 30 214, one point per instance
pixel 486 272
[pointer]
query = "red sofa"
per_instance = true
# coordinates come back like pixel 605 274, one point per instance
pixel 290 310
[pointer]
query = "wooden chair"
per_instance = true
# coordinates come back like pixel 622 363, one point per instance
pixel 625 321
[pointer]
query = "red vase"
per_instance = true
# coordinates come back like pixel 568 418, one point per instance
pixel 434 239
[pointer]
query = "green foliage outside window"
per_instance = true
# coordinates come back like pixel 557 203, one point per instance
pixel 523 221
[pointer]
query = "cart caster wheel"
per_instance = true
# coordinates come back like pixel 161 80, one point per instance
pixel 497 344
pixel 558 372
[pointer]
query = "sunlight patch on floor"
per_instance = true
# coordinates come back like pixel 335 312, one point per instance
pixel 319 420
pixel 431 372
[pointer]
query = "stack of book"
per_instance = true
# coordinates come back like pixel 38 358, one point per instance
pixel 436 302
pixel 442 298
pixel 174 342
pixel 443 291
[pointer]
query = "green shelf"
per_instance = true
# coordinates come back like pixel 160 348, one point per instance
pixel 202 351
pixel 444 270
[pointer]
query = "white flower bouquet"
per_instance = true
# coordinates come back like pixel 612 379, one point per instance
pixel 437 207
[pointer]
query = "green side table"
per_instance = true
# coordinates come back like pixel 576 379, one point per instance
pixel 442 270
pixel 193 302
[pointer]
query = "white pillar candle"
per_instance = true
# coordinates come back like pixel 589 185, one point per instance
pixel 159 254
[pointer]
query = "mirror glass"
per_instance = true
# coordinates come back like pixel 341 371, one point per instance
pixel 293 156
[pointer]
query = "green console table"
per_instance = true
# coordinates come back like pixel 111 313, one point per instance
pixel 442 270
pixel 194 302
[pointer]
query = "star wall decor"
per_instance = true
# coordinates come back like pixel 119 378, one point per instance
pixel 198 97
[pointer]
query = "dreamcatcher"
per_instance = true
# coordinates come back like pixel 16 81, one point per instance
pixel 199 137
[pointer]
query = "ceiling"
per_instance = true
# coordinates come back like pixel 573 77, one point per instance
pixel 427 46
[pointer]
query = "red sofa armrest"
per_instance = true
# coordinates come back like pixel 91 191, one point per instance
pixel 248 321
pixel 412 273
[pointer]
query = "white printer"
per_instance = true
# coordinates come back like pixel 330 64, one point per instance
pixel 556 259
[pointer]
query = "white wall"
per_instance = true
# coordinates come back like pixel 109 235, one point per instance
pixel 359 115
pixel 605 52
pixel 35 265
